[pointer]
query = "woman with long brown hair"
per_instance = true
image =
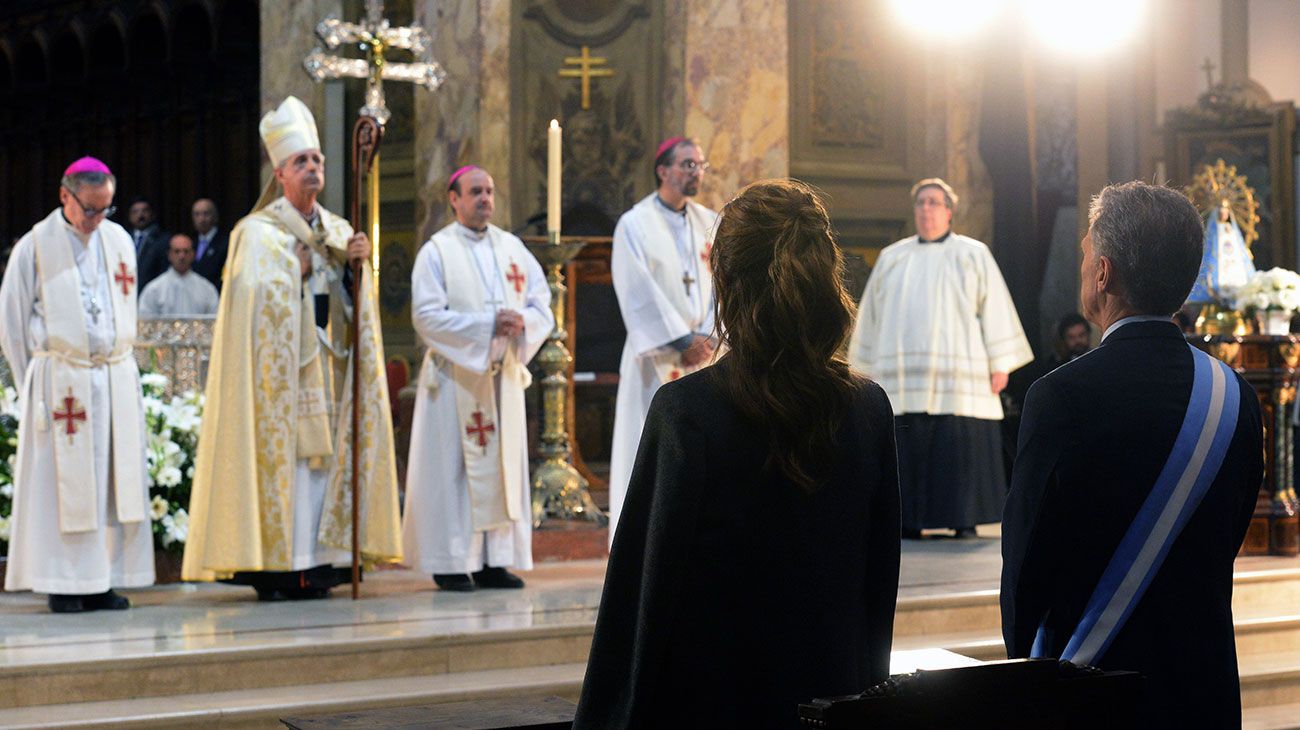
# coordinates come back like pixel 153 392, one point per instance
pixel 756 562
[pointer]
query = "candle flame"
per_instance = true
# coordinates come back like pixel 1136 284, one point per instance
pixel 555 124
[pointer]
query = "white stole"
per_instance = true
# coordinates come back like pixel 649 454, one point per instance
pixel 665 265
pixel 490 445
pixel 68 352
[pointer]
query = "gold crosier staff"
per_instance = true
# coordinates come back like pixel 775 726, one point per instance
pixel 374 36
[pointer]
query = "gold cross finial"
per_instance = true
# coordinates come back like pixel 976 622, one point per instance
pixel 585 72
pixel 374 36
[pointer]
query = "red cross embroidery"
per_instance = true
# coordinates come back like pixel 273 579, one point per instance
pixel 707 252
pixel 516 277
pixel 480 429
pixel 123 277
pixel 71 413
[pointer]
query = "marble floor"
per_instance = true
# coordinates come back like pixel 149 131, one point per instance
pixel 194 617
pixel 397 603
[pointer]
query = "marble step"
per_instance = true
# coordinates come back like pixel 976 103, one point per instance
pixel 299 657
pixel 1256 634
pixel 1270 679
pixel 1263 593
pixel 261 708
pixel 1271 717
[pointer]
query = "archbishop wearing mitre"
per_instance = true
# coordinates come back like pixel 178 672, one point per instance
pixel 271 504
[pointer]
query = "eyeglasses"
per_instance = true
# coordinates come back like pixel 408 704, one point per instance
pixel 692 165
pixel 89 211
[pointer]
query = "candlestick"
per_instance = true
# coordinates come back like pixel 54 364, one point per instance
pixel 553 168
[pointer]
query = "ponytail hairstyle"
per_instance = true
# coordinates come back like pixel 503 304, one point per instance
pixel 782 311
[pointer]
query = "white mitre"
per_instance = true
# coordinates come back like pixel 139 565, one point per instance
pixel 289 129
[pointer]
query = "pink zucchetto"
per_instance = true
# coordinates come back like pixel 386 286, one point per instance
pixel 668 144
pixel 87 164
pixel 456 175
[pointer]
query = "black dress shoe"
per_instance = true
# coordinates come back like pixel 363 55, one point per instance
pixel 309 594
pixel 67 604
pixel 268 593
pixel 963 533
pixel 458 582
pixel 106 601
pixel 490 577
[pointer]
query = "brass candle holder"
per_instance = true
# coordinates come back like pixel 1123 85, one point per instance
pixel 558 490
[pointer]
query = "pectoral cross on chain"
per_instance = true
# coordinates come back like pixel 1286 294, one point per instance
pixel 687 279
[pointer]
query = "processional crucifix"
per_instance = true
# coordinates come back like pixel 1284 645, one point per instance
pixel 374 37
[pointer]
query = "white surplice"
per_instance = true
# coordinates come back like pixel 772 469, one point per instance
pixel 75 538
pixel 174 295
pixel 660 267
pixel 438 526
pixel 936 320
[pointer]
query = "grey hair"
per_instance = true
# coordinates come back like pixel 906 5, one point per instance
pixel 949 195
pixel 1153 236
pixel 74 181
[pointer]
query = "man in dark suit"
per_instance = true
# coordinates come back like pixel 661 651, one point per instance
pixel 1096 435
pixel 150 241
pixel 209 241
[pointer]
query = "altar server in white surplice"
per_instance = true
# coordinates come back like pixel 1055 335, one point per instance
pixel 660 266
pixel 180 292
pixel 938 331
pixel 68 302
pixel 481 305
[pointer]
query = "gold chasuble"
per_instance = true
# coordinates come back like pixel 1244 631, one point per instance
pixel 274 396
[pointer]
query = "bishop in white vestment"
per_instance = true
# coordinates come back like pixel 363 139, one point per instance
pixel 271 505
pixel 660 267
pixel 481 305
pixel 938 331
pixel 179 292
pixel 68 303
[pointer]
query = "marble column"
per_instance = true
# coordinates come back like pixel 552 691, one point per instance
pixel 494 102
pixel 446 122
pixel 1093 145
pixel 468 119
pixel 741 119
pixel 288 34
pixel 951 139
pixel 1235 41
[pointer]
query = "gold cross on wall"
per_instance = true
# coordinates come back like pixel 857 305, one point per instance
pixel 585 72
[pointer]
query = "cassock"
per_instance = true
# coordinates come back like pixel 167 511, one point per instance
pixel 79 523
pixel 936 320
pixel 175 295
pixel 660 267
pixel 467 493
pixel 272 474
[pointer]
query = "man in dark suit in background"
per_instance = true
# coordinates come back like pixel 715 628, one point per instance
pixel 1098 435
pixel 209 241
pixel 150 241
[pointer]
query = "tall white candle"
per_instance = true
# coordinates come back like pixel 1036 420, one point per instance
pixel 553 167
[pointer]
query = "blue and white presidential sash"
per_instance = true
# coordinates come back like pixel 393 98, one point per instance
pixel 1194 462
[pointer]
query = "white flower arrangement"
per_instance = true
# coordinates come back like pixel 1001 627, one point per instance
pixel 1274 290
pixel 8 448
pixel 171 439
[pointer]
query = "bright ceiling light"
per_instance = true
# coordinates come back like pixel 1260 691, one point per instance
pixel 1084 28
pixel 940 20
